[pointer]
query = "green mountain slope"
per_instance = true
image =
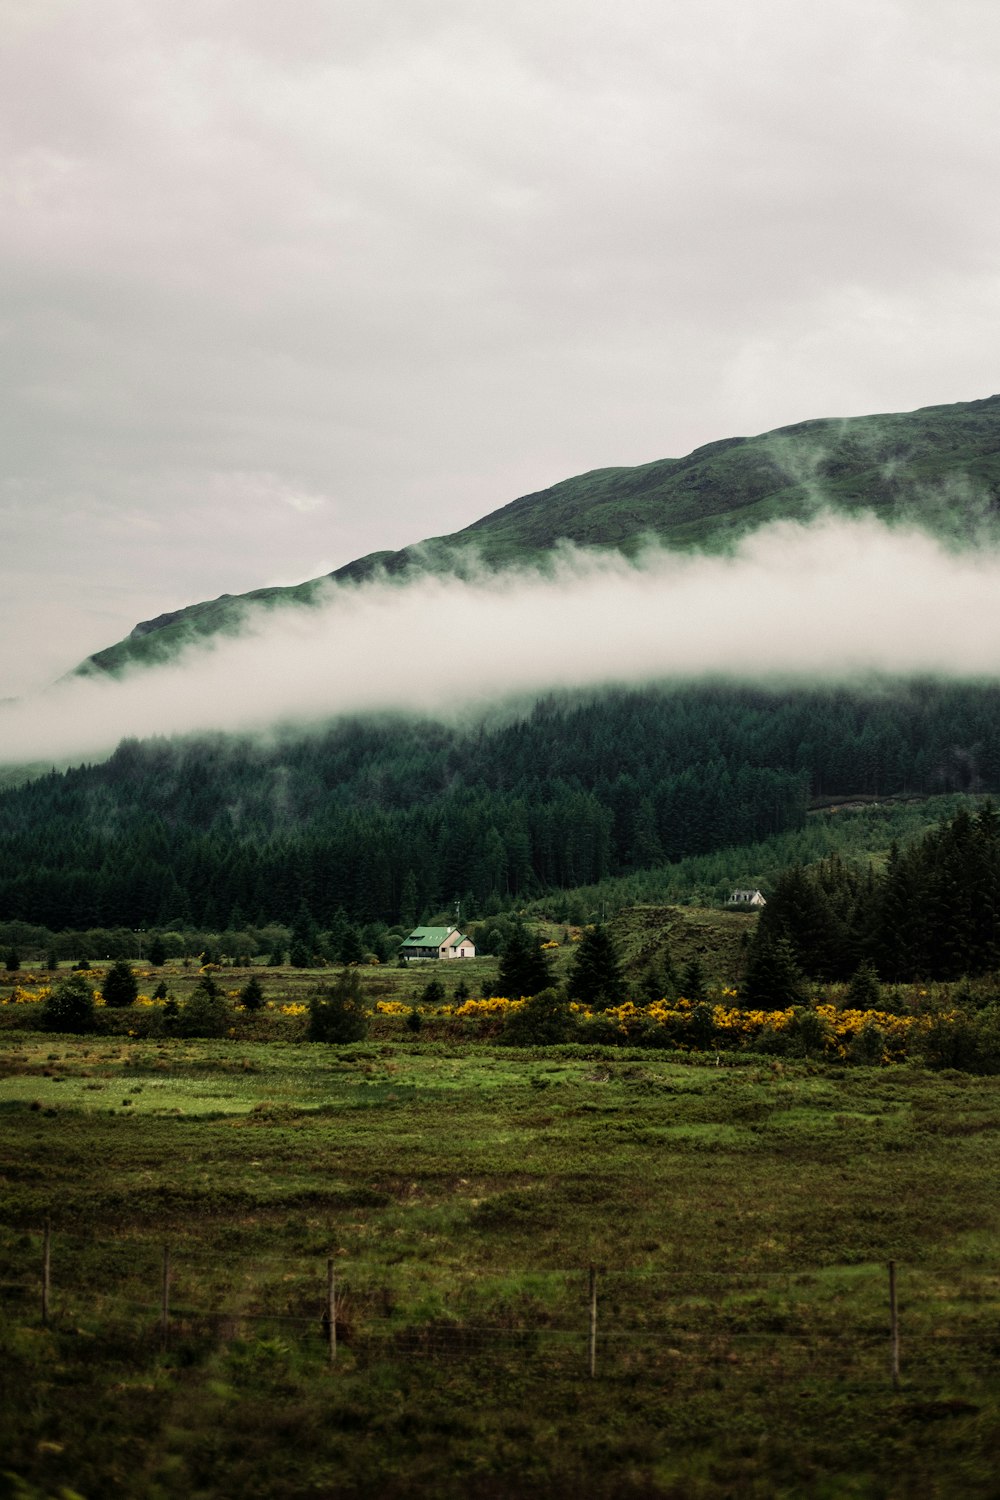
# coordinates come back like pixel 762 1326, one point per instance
pixel 938 467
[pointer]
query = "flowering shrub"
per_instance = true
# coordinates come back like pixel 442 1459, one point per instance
pixel 22 995
pixel 496 1005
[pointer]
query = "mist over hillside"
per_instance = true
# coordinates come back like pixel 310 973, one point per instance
pixel 937 469
pixel 509 718
pixel 836 599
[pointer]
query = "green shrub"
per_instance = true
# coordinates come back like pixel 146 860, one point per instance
pixel 868 1046
pixel 339 1012
pixel 543 1019
pixel 205 1013
pixel 70 1006
pixel 968 1043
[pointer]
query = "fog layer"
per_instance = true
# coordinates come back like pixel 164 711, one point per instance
pixel 834 599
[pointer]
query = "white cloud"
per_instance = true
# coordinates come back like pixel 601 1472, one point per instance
pixel 834 599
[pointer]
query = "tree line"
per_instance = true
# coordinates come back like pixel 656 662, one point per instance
pixel 933 912
pixel 389 818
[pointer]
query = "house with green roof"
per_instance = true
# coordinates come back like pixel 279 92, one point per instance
pixel 437 942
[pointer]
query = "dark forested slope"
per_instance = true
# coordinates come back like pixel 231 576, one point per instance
pixel 390 818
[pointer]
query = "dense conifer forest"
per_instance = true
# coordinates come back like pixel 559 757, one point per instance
pixel 932 913
pixel 388 819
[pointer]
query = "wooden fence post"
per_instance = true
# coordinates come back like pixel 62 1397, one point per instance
pixel 331 1311
pixel 593 1322
pixel 894 1325
pixel 165 1298
pixel 46 1270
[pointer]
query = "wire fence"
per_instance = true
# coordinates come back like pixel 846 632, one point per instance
pixel 891 1323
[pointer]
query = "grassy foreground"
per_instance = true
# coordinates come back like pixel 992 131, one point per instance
pixel 741 1218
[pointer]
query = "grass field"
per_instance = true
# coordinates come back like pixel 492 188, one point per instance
pixel 741 1218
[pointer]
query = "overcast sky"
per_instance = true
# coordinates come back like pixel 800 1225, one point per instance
pixel 284 284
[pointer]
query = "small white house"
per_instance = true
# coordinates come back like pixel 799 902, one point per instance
pixel 746 898
pixel 437 942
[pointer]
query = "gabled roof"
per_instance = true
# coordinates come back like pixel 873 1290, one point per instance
pixel 432 937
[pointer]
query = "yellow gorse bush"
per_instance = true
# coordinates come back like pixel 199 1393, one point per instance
pixel 23 995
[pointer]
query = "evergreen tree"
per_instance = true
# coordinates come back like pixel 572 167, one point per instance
pixel 12 961
pixel 300 956
pixel 692 982
pixel 773 978
pixel 205 1012
pixel 120 986
pixel 595 976
pixel 352 950
pixel 864 991
pixel 252 994
pixel 524 969
pixel 157 952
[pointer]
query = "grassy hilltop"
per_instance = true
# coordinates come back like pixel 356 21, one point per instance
pixel 938 467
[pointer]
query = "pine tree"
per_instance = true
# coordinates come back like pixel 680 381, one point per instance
pixel 692 982
pixel 524 969
pixel 252 994
pixel 864 991
pixel 300 956
pixel 773 978
pixel 595 976
pixel 120 986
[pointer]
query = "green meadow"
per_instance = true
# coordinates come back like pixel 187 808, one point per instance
pixel 740 1217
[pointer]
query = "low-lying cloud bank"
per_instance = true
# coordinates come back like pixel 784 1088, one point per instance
pixel 832 600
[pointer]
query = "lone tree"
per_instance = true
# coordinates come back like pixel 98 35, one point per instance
pixel 773 979
pixel 120 985
pixel 595 976
pixel 157 952
pixel 205 1012
pixel 524 969
pixel 864 991
pixel 252 994
pixel 693 982
pixel 301 955
pixel 70 1006
pixel 338 1012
